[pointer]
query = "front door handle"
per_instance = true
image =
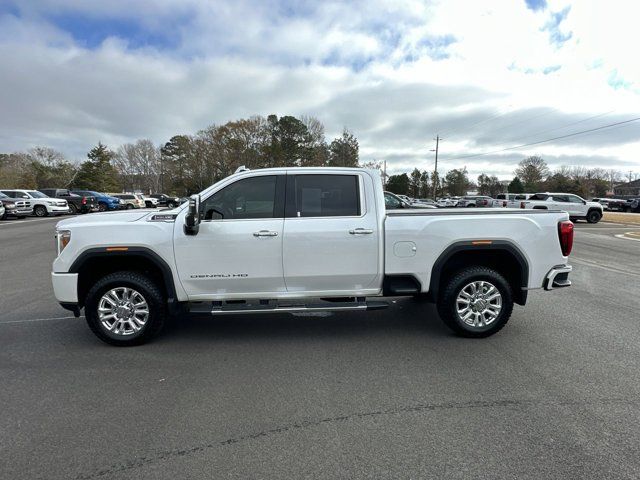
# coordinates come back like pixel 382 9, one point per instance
pixel 361 231
pixel 265 233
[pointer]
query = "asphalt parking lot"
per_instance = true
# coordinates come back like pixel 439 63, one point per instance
pixel 387 394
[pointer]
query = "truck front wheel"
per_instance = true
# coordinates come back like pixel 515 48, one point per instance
pixel 125 308
pixel 476 302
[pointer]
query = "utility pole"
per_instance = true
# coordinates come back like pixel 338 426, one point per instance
pixel 435 171
pixel 384 176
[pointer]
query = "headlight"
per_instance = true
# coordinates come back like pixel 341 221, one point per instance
pixel 63 238
pixel 10 205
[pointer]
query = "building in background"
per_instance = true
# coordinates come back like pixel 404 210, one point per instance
pixel 627 189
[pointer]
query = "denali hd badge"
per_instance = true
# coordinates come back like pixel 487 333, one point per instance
pixel 164 217
pixel 220 275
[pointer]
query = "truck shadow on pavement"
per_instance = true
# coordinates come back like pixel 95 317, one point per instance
pixel 404 316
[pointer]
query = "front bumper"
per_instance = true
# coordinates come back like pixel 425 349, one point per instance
pixel 558 277
pixel 18 212
pixel 65 287
pixel 55 210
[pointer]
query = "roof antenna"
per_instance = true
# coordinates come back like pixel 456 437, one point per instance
pixel 241 168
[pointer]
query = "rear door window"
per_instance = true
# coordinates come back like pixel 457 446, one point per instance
pixel 324 196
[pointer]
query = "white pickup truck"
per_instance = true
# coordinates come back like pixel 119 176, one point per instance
pixel 301 239
pixel 577 207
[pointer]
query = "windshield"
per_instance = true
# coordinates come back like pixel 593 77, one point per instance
pixel 2 195
pixel 36 194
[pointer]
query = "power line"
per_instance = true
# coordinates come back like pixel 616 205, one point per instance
pixel 548 139
pixel 497 115
pixel 564 126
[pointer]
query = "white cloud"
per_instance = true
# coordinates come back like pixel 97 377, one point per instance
pixel 484 74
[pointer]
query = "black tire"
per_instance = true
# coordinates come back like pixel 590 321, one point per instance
pixel 171 205
pixel 448 306
pixel 40 211
pixel 594 216
pixel 73 210
pixel 102 207
pixel 152 295
pixel 129 206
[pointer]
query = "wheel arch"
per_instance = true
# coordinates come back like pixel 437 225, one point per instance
pixel 500 255
pixel 95 263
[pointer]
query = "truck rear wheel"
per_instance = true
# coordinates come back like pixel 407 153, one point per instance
pixel 125 308
pixel 476 302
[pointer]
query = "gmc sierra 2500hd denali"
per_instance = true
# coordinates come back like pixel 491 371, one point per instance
pixel 300 239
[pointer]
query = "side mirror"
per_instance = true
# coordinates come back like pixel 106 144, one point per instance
pixel 192 220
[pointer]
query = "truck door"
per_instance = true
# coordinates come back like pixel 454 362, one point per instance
pixel 238 250
pixel 331 234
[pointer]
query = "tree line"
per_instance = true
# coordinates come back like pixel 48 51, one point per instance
pixel 186 163
pixel 532 175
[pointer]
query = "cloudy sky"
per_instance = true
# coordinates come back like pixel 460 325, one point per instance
pixel 485 75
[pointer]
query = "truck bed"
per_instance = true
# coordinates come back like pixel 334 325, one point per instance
pixel 416 239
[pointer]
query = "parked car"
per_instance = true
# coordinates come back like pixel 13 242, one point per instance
pixel 41 204
pixel 393 201
pixel 105 202
pixel 510 200
pixel 475 201
pixel 577 207
pixel 77 203
pixel 326 245
pixel 447 202
pixel 166 200
pixel 633 205
pixel 15 207
pixel 612 204
pixel 426 201
pixel 150 202
pixel 142 200
pixel 130 200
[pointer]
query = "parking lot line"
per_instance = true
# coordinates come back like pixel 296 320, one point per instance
pixel 38 320
pixel 5 223
pixel 635 236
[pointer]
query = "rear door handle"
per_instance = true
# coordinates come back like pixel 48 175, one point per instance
pixel 361 231
pixel 265 233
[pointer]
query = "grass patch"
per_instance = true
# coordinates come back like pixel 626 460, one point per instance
pixel 619 217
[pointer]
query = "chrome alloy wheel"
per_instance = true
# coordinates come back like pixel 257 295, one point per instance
pixel 479 303
pixel 123 311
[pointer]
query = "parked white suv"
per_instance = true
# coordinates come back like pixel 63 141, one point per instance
pixel 577 207
pixel 41 203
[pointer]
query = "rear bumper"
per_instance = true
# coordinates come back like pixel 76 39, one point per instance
pixel 558 277
pixel 65 287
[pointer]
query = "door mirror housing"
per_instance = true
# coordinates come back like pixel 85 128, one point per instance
pixel 192 220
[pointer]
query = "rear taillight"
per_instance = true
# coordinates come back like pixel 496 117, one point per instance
pixel 84 200
pixel 565 234
pixel 504 204
pixel 521 204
